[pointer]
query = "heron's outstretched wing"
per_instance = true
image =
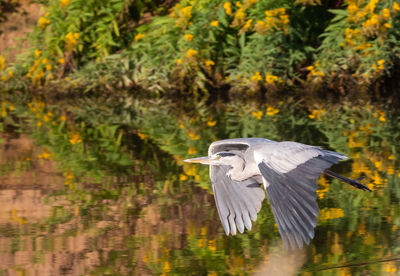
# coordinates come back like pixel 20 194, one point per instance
pixel 237 202
pixel 290 171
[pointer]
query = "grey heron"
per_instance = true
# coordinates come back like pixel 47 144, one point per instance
pixel 288 172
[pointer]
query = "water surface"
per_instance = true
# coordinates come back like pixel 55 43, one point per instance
pixel 70 210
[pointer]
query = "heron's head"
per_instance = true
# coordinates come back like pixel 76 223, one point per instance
pixel 219 158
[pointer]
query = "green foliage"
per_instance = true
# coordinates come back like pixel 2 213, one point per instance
pixel 210 40
pixel 72 33
pixel 360 43
pixel 248 46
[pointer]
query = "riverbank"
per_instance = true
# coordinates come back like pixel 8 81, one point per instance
pixel 302 49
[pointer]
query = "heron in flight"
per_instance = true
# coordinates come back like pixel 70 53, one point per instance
pixel 288 172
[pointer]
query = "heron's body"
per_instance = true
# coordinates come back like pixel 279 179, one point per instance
pixel 287 170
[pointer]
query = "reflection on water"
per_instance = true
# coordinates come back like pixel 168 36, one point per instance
pixel 282 262
pixel 73 209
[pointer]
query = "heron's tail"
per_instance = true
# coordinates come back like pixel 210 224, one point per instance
pixel 352 182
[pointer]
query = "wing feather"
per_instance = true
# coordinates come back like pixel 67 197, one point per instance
pixel 286 156
pixel 289 176
pixel 237 202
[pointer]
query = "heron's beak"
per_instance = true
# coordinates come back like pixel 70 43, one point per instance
pixel 202 160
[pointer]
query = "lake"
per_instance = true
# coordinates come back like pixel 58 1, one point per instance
pixel 106 191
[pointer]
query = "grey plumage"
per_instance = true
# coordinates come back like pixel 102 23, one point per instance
pixel 237 202
pixel 288 171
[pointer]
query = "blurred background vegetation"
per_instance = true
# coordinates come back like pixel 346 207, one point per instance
pixel 345 47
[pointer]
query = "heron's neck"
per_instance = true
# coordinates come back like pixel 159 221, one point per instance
pixel 237 172
pixel 242 170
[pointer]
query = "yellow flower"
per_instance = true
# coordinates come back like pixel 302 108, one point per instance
pixel 228 9
pixel 331 213
pixel 138 37
pixel 61 60
pixel 18 219
pixel 396 6
pixel 214 23
pixel 43 22
pixel 69 175
pixel 240 16
pixel 209 63
pixel 192 151
pixel 64 3
pixel 390 268
pixel 260 27
pixel 38 53
pixel 211 123
pixel 248 24
pixel 188 37
pixel 167 267
pixel 71 40
pixel 186 11
pixel 257 114
pixel 386 13
pixel 141 135
pixel 75 138
pixel 2 63
pixel 11 73
pixel 193 136
pixel 352 8
pixel 271 79
pixel 316 114
pixel 45 155
pixel 183 177
pixel 178 61
pixel 271 111
pixel 63 118
pixel 11 107
pixel 371 22
pixel 212 245
pixel 46 118
pixel 256 77
pixel 48 67
pixel 387 25
pixel 191 53
pixel 276 19
pixel 45 60
pixel 378 165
